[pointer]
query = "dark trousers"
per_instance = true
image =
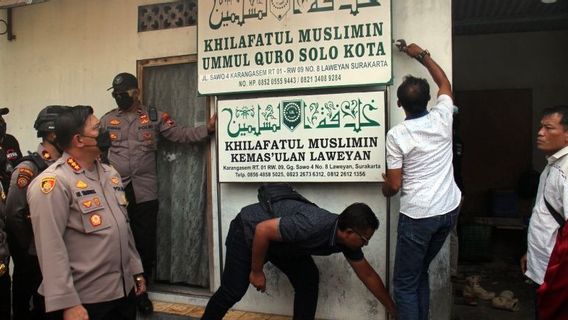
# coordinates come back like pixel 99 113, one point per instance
pixel 119 309
pixel 143 222
pixel 5 296
pixel 25 282
pixel 300 270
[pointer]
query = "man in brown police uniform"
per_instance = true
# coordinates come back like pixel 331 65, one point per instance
pixel 134 132
pixel 26 277
pixel 91 269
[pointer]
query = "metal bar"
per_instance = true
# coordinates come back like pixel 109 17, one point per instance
pixel 11 35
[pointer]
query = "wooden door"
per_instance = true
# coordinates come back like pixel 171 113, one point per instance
pixel 496 130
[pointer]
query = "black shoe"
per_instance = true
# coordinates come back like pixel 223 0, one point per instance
pixel 145 305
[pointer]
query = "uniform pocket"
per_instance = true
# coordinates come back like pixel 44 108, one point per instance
pixel 92 214
pixel 147 139
pixel 115 137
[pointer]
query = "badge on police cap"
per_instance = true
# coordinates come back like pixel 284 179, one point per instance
pixel 115 180
pixel 96 220
pixel 47 184
pixel 114 122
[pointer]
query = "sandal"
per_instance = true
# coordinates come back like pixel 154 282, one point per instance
pixel 507 294
pixel 505 304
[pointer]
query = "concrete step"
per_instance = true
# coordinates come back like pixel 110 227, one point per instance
pixel 178 311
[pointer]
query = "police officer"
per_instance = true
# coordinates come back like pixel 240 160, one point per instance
pixel 4 260
pixel 9 154
pixel 91 269
pixel 26 276
pixel 134 131
pixel 11 148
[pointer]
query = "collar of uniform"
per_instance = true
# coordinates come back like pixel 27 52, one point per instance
pixel 75 166
pixel 332 239
pixel 559 154
pixel 121 112
pixel 46 155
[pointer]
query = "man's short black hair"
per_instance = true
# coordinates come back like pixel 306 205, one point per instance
pixel 70 123
pixel 562 110
pixel 413 94
pixel 358 216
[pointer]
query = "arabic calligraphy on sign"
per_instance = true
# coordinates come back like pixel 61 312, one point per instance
pixel 225 12
pixel 254 119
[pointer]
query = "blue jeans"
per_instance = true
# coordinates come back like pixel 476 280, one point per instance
pixel 418 242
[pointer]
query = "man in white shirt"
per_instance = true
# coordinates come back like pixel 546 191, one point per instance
pixel 552 140
pixel 419 163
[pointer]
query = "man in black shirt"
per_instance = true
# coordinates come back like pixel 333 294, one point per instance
pixel 288 237
pixel 9 154
pixel 10 149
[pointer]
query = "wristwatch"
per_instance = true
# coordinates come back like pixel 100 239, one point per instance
pixel 422 54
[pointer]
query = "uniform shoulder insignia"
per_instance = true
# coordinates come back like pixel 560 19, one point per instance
pixel 26 171
pixel 46 155
pixel 25 176
pixel 73 164
pixel 47 184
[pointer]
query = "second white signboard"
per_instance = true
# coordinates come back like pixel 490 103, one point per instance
pixel 311 138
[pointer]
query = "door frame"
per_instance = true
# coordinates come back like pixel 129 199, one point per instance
pixel 183 59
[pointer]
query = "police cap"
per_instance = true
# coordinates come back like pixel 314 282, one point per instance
pixel 123 82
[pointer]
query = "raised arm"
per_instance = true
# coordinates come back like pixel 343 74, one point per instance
pixel 439 76
pixel 374 283
pixel 265 232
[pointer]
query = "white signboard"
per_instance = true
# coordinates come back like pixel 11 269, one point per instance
pixel 261 45
pixel 313 138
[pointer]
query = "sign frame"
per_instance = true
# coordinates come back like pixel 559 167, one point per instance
pixel 232 48
pixel 298 151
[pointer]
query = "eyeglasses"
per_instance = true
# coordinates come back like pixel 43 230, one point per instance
pixel 365 239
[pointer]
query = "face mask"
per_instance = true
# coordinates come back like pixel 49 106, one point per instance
pixel 103 140
pixel 123 100
pixel 3 159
